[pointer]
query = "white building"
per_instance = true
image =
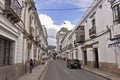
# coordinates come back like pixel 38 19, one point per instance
pixel 100 32
pixel 98 36
pixel 44 43
pixel 11 39
pixel 61 33
pixel 32 33
pixel 35 38
pixel 64 46
pixel 21 37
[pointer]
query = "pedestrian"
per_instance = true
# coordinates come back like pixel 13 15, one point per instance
pixel 31 65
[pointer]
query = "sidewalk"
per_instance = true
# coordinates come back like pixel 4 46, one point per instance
pixel 36 74
pixel 102 73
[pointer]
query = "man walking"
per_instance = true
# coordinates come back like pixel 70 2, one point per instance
pixel 31 65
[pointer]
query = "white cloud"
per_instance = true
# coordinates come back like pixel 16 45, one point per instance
pixel 52 41
pixel 52 28
pixel 49 23
pixel 46 20
pixel 67 25
pixel 51 33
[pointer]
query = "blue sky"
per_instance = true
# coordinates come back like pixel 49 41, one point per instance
pixel 53 20
pixel 59 16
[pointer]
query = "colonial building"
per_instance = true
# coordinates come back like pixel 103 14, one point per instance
pixel 11 39
pixel 35 38
pixel 52 52
pixel 61 33
pixel 98 36
pixel 100 31
pixel 22 37
pixel 65 45
pixel 44 43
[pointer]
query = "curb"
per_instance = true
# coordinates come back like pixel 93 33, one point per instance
pixel 43 70
pixel 96 74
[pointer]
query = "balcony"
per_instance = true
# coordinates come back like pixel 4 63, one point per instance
pixel 114 2
pixel 43 47
pixel 75 43
pixel 12 10
pixel 80 34
pixel 37 40
pixel 70 46
pixel 31 31
pixel 92 32
pixel 80 39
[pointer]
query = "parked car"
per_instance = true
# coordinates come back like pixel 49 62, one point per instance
pixel 73 63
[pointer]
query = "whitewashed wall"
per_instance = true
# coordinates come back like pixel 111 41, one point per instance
pixel 104 18
pixel 19 49
pixel 9 31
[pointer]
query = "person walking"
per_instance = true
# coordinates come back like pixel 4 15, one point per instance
pixel 31 65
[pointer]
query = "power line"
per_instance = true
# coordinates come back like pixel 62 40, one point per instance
pixel 62 9
pixel 65 9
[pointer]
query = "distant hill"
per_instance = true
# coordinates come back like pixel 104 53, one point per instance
pixel 51 47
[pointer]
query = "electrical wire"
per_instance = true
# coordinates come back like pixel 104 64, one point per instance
pixel 62 9
pixel 65 9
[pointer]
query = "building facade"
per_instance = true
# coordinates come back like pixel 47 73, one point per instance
pixel 60 35
pixel 22 37
pixel 11 39
pixel 35 38
pixel 97 36
pixel 44 43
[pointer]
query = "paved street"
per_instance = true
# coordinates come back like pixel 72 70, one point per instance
pixel 57 70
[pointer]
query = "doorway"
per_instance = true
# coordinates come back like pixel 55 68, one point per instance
pixel 96 64
pixel 76 55
pixel 85 57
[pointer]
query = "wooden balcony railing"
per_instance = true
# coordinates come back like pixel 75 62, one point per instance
pixel 12 10
pixel 114 3
pixel 92 32
pixel 31 31
pixel 70 46
pixel 80 38
pixel 80 34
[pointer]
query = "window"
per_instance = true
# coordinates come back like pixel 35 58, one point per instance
pixel 6 52
pixel 76 55
pixel 60 47
pixel 82 30
pixel 80 34
pixel 93 23
pixel 116 14
pixel 28 51
pixel 93 29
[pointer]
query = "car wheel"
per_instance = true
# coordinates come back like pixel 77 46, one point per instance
pixel 79 67
pixel 70 67
pixel 67 66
